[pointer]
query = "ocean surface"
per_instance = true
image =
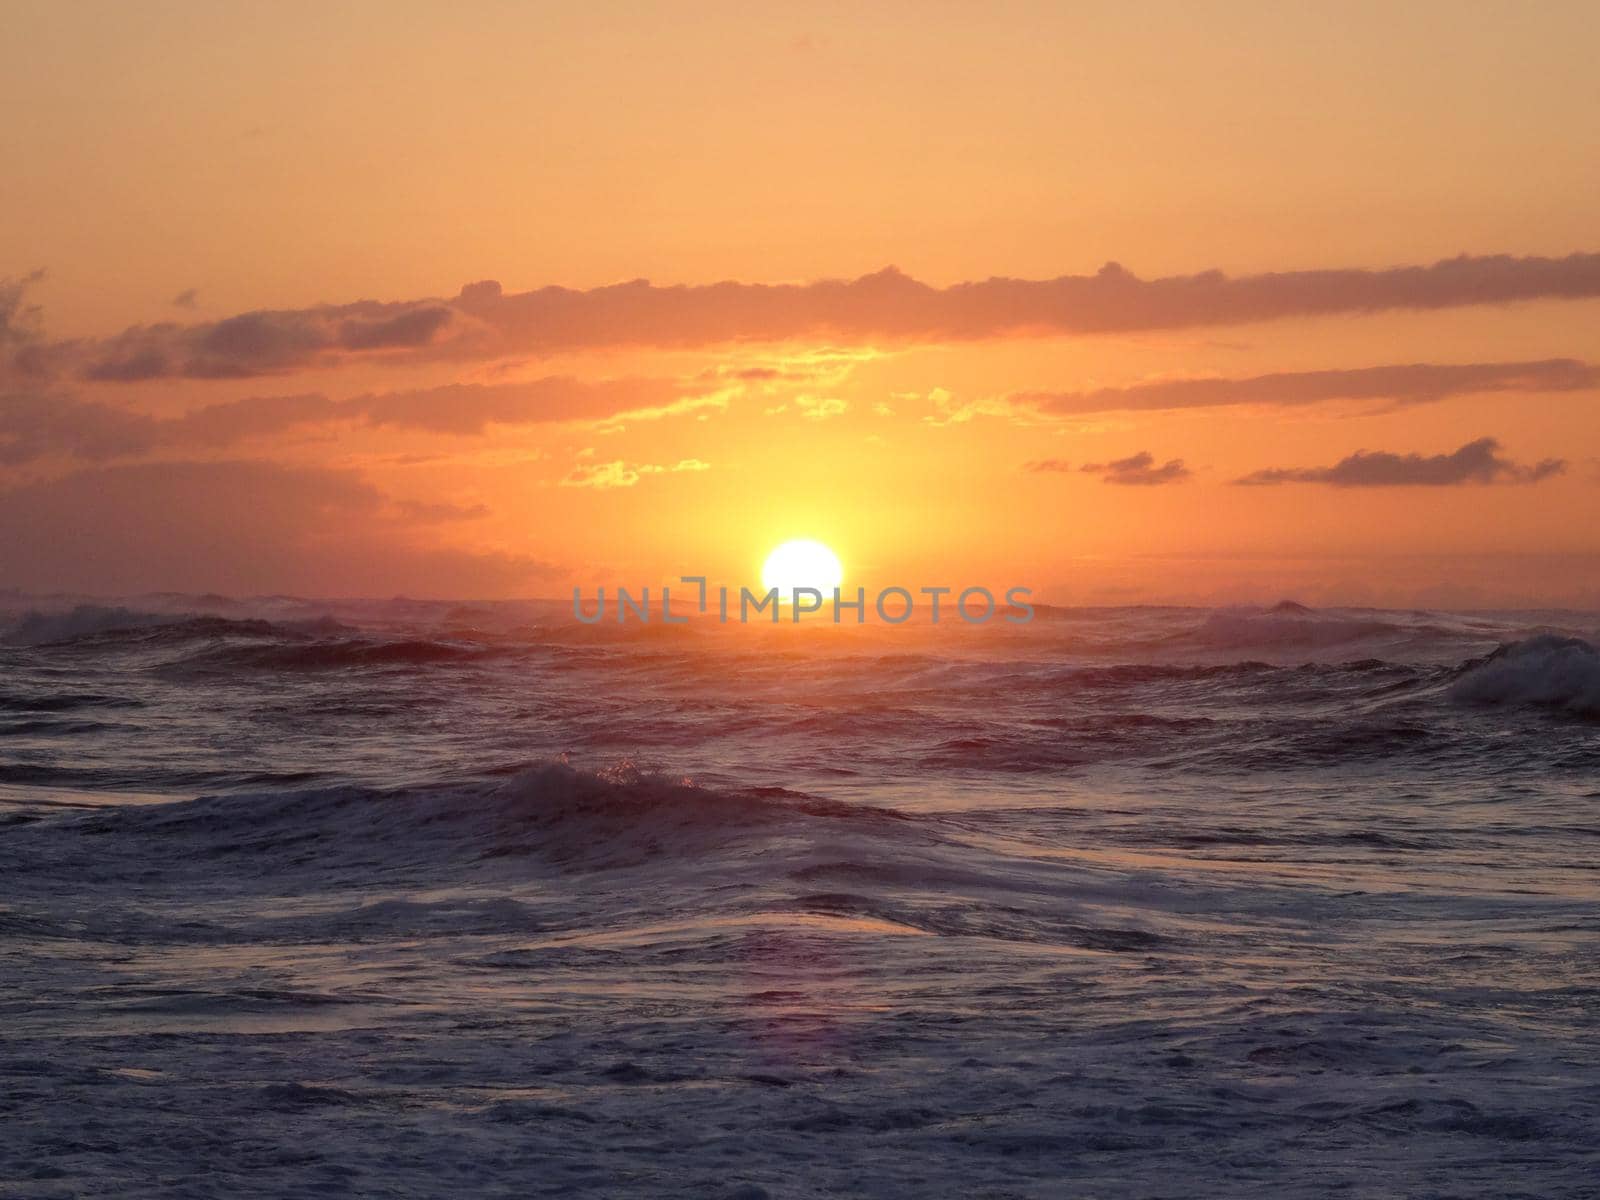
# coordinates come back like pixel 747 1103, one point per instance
pixel 415 899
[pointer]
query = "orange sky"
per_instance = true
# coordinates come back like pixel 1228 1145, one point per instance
pixel 193 396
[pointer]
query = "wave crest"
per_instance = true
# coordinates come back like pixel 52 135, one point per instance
pixel 102 625
pixel 588 820
pixel 327 655
pixel 86 620
pixel 1285 626
pixel 1547 671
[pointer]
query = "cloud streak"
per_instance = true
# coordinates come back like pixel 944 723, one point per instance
pixel 19 321
pixel 255 343
pixel 1477 462
pixel 40 425
pixel 484 321
pixel 619 474
pixel 1400 385
pixel 1138 470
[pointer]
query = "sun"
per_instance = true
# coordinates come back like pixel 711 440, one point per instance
pixel 802 563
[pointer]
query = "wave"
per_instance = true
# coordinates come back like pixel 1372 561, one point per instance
pixel 79 774
pixel 104 626
pixel 571 818
pixel 63 702
pixel 623 816
pixel 1288 625
pixel 243 644
pixel 329 655
pixel 1245 671
pixel 1548 671
pixel 87 620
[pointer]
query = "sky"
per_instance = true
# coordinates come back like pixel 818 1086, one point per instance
pixel 1164 303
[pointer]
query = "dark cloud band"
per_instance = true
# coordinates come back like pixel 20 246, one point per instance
pixel 484 321
pixel 1477 462
pixel 1399 385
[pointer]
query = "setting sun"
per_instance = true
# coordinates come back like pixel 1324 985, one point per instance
pixel 802 563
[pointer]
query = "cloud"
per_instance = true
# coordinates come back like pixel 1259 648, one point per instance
pixel 414 328
pixel 1139 470
pixel 238 527
pixel 256 343
pixel 224 424
pixel 615 474
pixel 466 408
pixel 19 321
pixel 426 513
pixel 188 298
pixel 484 321
pixel 892 306
pixel 1047 465
pixel 1400 385
pixel 820 408
pixel 809 368
pixel 948 410
pixel 1477 462
pixel 39 425
pixel 619 474
pixel 36 425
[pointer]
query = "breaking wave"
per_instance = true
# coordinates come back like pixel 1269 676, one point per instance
pixel 568 817
pixel 87 620
pixel 1288 625
pixel 107 627
pixel 329 655
pixel 1561 673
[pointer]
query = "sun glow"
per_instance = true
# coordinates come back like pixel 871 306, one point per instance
pixel 802 563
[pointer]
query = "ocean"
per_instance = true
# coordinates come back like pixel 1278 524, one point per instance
pixel 405 898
